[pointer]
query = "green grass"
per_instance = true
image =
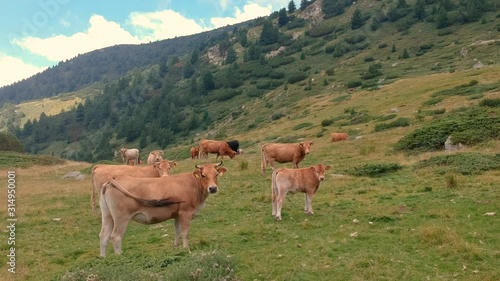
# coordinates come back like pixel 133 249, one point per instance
pixel 20 160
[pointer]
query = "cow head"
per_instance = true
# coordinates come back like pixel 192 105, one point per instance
pixel 157 155
pixel 207 174
pixel 231 153
pixel 163 167
pixel 306 146
pixel 319 171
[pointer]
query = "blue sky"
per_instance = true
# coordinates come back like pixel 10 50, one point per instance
pixel 36 34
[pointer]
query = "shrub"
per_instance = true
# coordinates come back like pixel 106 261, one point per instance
pixel 467 125
pixel 277 116
pixel 297 77
pixel 451 181
pixel 277 74
pixel 330 71
pixel 382 45
pixel 400 122
pixel 302 125
pixel 326 122
pixel 374 170
pixel 490 102
pixel 355 39
pixel 471 163
pixel 9 142
pixel 354 84
pixel 279 61
pixel 369 59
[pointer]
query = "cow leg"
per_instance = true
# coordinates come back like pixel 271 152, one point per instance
pixel 274 201
pixel 119 229
pixel 177 225
pixel 279 204
pixel 308 203
pixel 106 228
pixel 182 226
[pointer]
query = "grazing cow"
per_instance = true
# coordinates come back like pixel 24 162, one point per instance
pixel 101 173
pixel 155 156
pixel 304 180
pixel 195 150
pixel 154 200
pixel 338 137
pixel 221 148
pixel 234 145
pixel 130 154
pixel 284 152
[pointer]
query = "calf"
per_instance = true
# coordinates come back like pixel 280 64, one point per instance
pixel 284 152
pixel 339 137
pixel 304 180
pixel 130 154
pixel 195 150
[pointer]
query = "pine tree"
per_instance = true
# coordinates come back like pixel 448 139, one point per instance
pixel 231 55
pixel 291 7
pixel 303 4
pixel 420 9
pixel 282 17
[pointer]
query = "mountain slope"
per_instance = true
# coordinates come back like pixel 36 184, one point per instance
pixel 273 73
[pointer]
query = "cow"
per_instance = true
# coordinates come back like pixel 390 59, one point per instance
pixel 155 156
pixel 234 145
pixel 339 137
pixel 195 150
pixel 283 153
pixel 154 200
pixel 128 154
pixel 131 162
pixel 101 173
pixel 304 180
pixel 221 148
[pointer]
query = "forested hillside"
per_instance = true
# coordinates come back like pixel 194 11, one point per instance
pixel 196 83
pixel 104 65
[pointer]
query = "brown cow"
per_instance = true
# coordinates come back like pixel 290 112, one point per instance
pixel 128 154
pixel 304 180
pixel 155 156
pixel 284 152
pixel 153 200
pixel 338 137
pixel 195 150
pixel 101 173
pixel 221 148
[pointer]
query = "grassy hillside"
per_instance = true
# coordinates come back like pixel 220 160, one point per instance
pixel 430 219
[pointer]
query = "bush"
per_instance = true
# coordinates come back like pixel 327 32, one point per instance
pixel 277 116
pixel 297 77
pixel 279 61
pixel 472 163
pixel 326 122
pixel 374 170
pixel 9 142
pixel 490 102
pixel 330 71
pixel 354 84
pixel 400 122
pixel 302 125
pixel 467 125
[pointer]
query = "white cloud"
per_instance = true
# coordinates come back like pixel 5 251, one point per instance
pixel 250 11
pixel 163 25
pixel 17 70
pixel 101 33
pixel 224 4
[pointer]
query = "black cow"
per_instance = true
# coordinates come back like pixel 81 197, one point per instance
pixel 234 145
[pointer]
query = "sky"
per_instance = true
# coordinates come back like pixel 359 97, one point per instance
pixel 36 34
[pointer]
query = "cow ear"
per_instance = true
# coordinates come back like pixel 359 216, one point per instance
pixel 328 167
pixel 172 163
pixel 313 169
pixel 301 143
pixel 222 170
pixel 197 174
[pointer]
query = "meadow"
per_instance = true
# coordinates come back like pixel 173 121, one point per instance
pixel 381 214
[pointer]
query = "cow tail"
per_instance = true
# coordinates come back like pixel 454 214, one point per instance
pixel 93 192
pixel 148 202
pixel 274 185
pixel 263 160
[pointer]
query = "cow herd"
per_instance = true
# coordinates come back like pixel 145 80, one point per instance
pixel 150 194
